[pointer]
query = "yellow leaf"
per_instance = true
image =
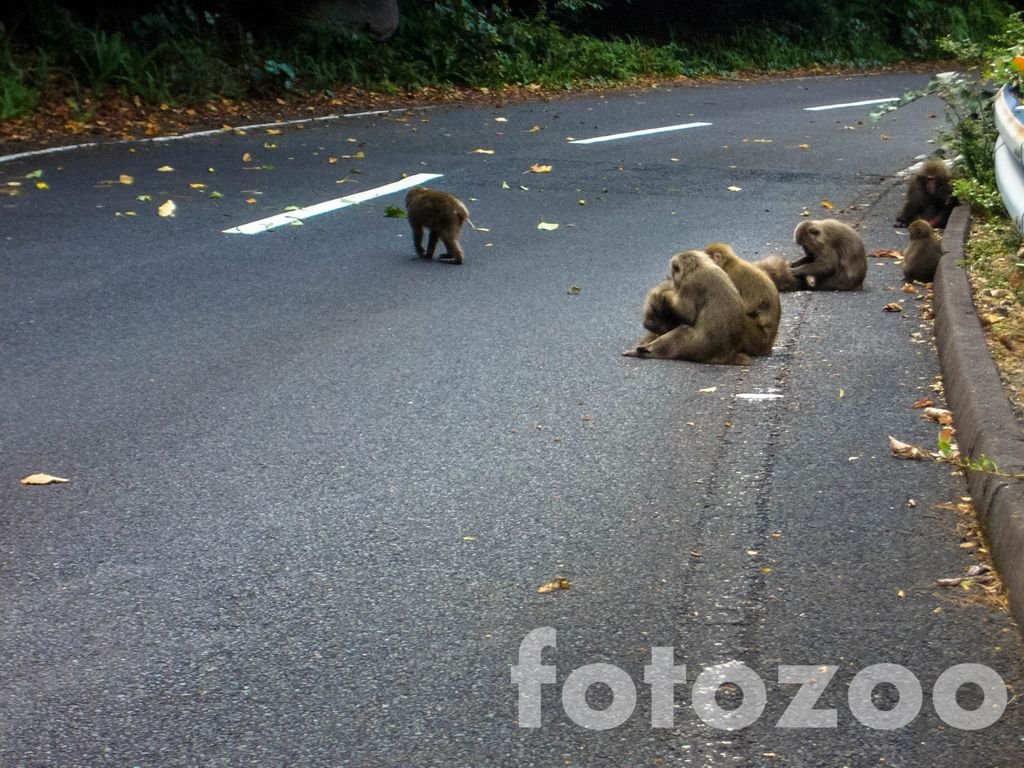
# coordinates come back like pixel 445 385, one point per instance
pixel 709 389
pixel 469 538
pixel 735 189
pixel 504 185
pixel 246 158
pixel 501 119
pixel 359 155
pixel 167 210
pixel 197 186
pixel 124 178
pixel 557 583
pixel 534 129
pixel 547 227
pixel 483 151
pixel 842 393
pixel 41 478
pixel 763 141
pixel 538 168
pixel 250 200
pixel 892 307
pixel 901 594
pixel 274 131
pixel 803 146
pixel 165 169
pixel 42 185
pixel 827 204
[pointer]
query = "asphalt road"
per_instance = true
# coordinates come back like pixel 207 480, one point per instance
pixel 315 482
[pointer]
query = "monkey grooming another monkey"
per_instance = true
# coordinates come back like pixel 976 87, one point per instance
pixel 760 298
pixel 922 255
pixel 834 257
pixel 716 332
pixel 778 269
pixel 929 196
pixel 443 214
pixel 664 309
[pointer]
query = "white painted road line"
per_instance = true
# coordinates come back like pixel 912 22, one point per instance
pixel 867 103
pixel 200 134
pixel 290 217
pixel 644 132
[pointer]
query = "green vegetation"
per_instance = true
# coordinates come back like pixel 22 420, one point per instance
pixel 177 52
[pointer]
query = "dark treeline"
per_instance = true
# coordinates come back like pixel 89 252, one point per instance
pixel 185 51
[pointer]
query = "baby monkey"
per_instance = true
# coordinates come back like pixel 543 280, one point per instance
pixel 443 214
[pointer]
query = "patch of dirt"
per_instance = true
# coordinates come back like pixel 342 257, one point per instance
pixel 998 286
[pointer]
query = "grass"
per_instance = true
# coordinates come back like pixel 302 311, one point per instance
pixel 178 55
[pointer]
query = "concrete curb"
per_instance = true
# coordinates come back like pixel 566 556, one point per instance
pixel 985 422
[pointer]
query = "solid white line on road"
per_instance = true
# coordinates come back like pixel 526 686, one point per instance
pixel 644 132
pixel 200 134
pixel 866 103
pixel 290 217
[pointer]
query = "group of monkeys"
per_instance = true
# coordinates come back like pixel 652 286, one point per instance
pixel 717 308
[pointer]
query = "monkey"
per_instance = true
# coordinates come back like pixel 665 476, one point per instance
pixel 780 273
pixel 834 256
pixel 760 298
pixel 664 309
pixel 715 334
pixel 929 196
pixel 922 254
pixel 443 214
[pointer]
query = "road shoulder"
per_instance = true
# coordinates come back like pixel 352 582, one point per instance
pixel 984 418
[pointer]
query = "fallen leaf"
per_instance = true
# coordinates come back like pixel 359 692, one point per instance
pixel 394 212
pixel 709 389
pixel 903 450
pixel 557 583
pixel 246 158
pixel 36 174
pixel 501 119
pixel 924 402
pixel 469 538
pixel 987 318
pixel 547 227
pixel 124 178
pixel 332 160
pixel 892 307
pixel 573 290
pixel 842 393
pixel 827 204
pixel 885 137
pixel 901 594
pixel 538 168
pixel 483 151
pixel 504 185
pixel 941 415
pixel 144 198
pixel 216 195
pixel 884 253
pixel 167 210
pixel 735 189
pixel 534 129
pixel 42 185
pixel 582 202
pixel 274 131
pixel 359 155
pixel 165 169
pixel 197 186
pixel 803 146
pixel 908 288
pixel 41 478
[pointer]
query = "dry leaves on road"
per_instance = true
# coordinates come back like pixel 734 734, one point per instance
pixel 41 478
pixel 556 584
